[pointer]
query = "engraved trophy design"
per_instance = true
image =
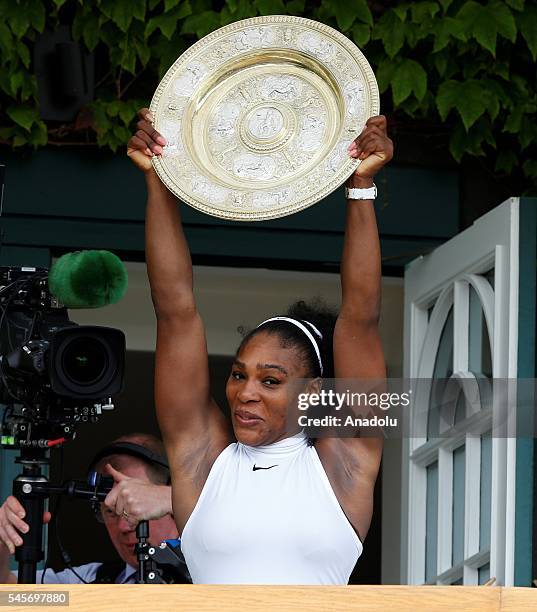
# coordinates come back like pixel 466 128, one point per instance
pixel 258 116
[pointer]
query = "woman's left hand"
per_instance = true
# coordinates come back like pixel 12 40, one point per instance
pixel 373 147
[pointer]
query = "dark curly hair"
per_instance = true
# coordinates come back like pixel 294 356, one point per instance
pixel 314 311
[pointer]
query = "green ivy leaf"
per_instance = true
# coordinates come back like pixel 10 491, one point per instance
pixel 466 97
pixel 502 70
pixel 128 56
pixel 153 4
pixel 269 7
pixel 29 88
pixel 232 5
pixel 122 134
pixel 24 116
pixel 87 25
pixel 296 7
pixel 416 108
pixel 38 135
pixel 91 33
pixel 242 9
pixel 347 11
pixel 98 113
pixel 201 24
pixel 530 168
pixel 17 20
pixel 527 23
pixel 6 133
pixel 168 22
pixel 528 132
pixel 167 51
pixel 142 50
pixel 518 5
pixel 128 111
pixel 505 161
pixel 422 11
pixel 519 86
pixel 485 23
pixel 169 4
pixel 19 140
pixel 470 142
pixel 484 132
pixel 409 77
pixel 5 84
pixel 23 52
pixel 401 11
pixel 16 81
pixel 361 33
pixel 514 119
pixel 112 108
pixel 446 29
pixel 446 4
pixel 496 94
pixel 122 12
pixel 440 62
pixel 110 35
pixel 363 12
pixel 344 13
pixel 6 41
pixel 34 13
pixel 390 30
pixel 414 33
pixel 384 74
pixel 59 3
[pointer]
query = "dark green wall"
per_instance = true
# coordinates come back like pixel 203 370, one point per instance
pixel 65 199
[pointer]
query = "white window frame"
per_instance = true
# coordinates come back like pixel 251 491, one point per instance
pixel 444 277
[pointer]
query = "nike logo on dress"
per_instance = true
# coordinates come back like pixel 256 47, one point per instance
pixel 256 467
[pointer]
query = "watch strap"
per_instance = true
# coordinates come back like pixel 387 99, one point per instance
pixel 355 193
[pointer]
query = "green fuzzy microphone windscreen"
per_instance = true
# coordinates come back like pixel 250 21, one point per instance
pixel 88 279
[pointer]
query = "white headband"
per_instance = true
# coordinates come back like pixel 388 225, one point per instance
pixel 305 330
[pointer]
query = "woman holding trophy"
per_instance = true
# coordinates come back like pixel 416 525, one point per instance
pixel 253 122
pixel 269 508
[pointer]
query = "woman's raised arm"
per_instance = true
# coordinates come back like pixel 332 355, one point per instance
pixel 193 428
pixel 352 464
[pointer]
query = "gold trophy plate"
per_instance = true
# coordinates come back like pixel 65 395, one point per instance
pixel 258 116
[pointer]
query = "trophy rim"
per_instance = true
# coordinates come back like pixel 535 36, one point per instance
pixel 344 171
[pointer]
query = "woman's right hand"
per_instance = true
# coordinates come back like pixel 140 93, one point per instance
pixel 11 515
pixel 145 143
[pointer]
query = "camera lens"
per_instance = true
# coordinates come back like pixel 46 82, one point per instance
pixel 84 361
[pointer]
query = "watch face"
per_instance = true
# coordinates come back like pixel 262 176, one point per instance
pixel 258 116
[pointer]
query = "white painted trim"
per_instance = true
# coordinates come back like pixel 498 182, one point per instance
pixel 486 296
pixel 479 559
pixel 450 575
pixel 461 301
pixel 478 423
pixel 445 509
pixel 512 372
pixel 491 242
pixel 432 337
pixel 417 476
pixel 417 523
pixel 404 558
pixel 499 444
pixel 471 502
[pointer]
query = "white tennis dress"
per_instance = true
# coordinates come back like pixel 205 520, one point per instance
pixel 268 515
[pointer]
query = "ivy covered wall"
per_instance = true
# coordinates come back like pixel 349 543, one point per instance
pixel 459 75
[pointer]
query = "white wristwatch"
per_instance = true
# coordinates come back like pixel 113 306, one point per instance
pixel 354 193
